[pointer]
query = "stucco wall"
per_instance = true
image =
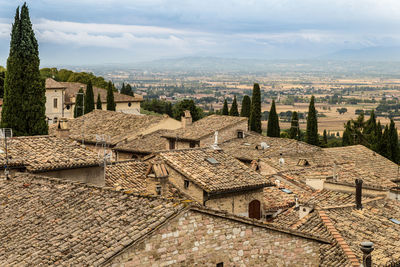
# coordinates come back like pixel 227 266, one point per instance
pixel 198 239
pixel 92 175
pixel 51 112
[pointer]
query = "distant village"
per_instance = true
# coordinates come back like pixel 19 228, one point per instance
pixel 103 184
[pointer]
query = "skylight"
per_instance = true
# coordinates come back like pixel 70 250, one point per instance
pixel 394 221
pixel 212 160
pixel 287 191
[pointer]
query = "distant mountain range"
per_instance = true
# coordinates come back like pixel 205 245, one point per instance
pixel 366 54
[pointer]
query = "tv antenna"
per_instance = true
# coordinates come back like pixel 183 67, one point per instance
pixel 6 133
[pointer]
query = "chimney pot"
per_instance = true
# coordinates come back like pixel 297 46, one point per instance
pixel 367 248
pixel 359 183
pixel 186 120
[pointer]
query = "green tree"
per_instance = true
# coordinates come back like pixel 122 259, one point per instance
pixel 384 149
pixel 78 109
pixel 98 104
pixel 168 109
pixel 393 142
pixel 312 124
pixel 89 98
pixel 347 138
pixel 2 77
pixel 24 90
pixel 246 107
pixel 128 89
pixel 325 139
pixel 294 131
pixel 225 110
pixel 122 91
pixel 255 112
pixel 187 104
pixel 110 97
pixel 234 108
pixel 273 129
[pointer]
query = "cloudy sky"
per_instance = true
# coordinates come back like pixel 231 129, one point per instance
pixel 76 32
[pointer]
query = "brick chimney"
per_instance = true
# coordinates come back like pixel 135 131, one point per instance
pixel 62 128
pixel 186 120
pixel 358 193
pixel 367 248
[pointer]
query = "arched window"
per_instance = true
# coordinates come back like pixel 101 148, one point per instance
pixel 255 209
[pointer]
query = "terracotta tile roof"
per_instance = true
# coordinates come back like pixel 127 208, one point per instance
pixel 213 170
pixel 48 222
pixel 250 148
pixel 52 84
pixel 148 143
pixel 205 127
pixel 117 125
pixel 128 175
pixel 43 153
pixel 73 88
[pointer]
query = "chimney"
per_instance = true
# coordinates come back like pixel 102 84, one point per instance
pixel 281 160
pixel 186 120
pixel 367 248
pixel 215 145
pixel 358 193
pixel 62 128
pixel 335 175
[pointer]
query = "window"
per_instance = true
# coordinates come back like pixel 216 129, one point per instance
pixel 212 160
pixel 220 264
pixel 158 189
pixel 55 103
pixel 240 134
pixel 192 144
pixel 186 184
pixel 68 107
pixel 55 120
pixel 129 104
pixel 171 144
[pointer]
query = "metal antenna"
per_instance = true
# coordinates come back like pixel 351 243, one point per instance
pixel 6 133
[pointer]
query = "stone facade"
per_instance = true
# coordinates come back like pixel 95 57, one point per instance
pixel 200 239
pixel 91 175
pixel 54 104
pixel 225 134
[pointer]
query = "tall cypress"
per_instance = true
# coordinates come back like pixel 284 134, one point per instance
pixel 347 138
pixel 393 142
pixel 294 131
pixel 24 90
pixel 98 104
pixel 255 112
pixel 246 107
pixel 128 89
pixel 312 124
pixel 110 97
pixel 273 129
pixel 78 110
pixel 225 110
pixel 384 149
pixel 325 139
pixel 234 108
pixel 123 89
pixel 89 98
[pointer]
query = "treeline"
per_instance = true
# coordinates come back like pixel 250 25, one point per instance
pixel 176 110
pixel 370 133
pixel 64 75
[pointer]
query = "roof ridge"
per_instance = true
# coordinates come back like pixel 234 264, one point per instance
pixel 351 205
pixel 339 239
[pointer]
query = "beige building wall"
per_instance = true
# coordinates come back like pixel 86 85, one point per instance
pixel 178 180
pixel 54 110
pixel 90 175
pixel 199 239
pixel 225 134
pixel 237 203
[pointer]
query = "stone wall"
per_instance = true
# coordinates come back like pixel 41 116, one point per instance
pixel 352 189
pixel 225 134
pixel 178 179
pixel 236 203
pixel 200 239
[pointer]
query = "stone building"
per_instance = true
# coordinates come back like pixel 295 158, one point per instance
pixel 54 157
pixel 110 128
pixel 201 133
pixel 48 222
pixel 213 179
pixel 61 96
pixel 337 217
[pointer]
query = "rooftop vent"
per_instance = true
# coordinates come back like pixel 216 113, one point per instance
pixel 212 160
pixel 281 160
pixel 287 191
pixel 394 221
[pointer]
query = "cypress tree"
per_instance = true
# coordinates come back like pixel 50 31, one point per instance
pixel 294 131
pixel 255 112
pixel 98 104
pixel 393 142
pixel 234 108
pixel 123 89
pixel 78 111
pixel 385 144
pixel 128 89
pixel 225 110
pixel 24 89
pixel 378 133
pixel 246 106
pixel 312 124
pixel 89 98
pixel 110 97
pixel 347 140
pixel 325 139
pixel 273 129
